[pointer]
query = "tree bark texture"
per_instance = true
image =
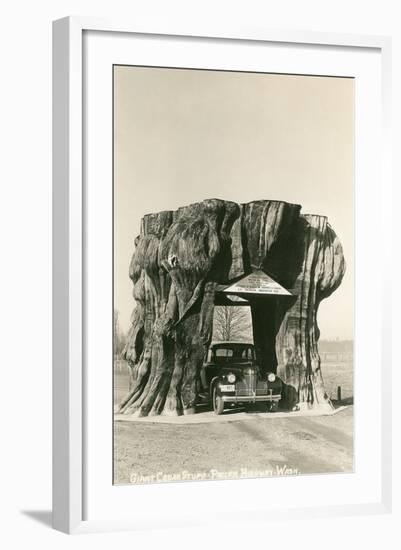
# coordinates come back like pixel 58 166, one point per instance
pixel 180 257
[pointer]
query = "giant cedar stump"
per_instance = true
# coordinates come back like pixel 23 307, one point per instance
pixel 179 259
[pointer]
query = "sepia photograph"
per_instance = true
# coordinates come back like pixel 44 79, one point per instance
pixel 233 275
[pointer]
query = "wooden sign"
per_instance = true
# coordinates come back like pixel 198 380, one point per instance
pixel 257 283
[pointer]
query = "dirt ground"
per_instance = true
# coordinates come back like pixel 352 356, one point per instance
pixel 154 452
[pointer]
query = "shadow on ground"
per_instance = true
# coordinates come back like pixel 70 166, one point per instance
pixel 40 516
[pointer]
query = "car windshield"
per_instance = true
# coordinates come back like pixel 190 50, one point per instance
pixel 224 354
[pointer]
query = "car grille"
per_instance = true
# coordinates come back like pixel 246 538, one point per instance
pixel 247 385
pixel 261 388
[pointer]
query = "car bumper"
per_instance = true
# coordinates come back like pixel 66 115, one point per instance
pixel 249 398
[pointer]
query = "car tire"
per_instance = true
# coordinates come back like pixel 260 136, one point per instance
pixel 218 403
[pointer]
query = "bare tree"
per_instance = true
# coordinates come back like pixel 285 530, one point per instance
pixel 232 323
pixel 119 336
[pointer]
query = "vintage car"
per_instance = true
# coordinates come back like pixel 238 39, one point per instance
pixel 230 375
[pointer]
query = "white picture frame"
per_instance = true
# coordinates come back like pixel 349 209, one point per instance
pixel 70 259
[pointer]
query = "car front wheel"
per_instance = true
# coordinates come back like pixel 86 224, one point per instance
pixel 218 403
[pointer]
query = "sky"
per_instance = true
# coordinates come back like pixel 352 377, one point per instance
pixel 184 135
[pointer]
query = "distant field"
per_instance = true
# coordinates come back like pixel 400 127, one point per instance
pixel 121 383
pixel 338 374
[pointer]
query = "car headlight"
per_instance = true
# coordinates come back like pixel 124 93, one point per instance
pixel 231 378
pixel 271 377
